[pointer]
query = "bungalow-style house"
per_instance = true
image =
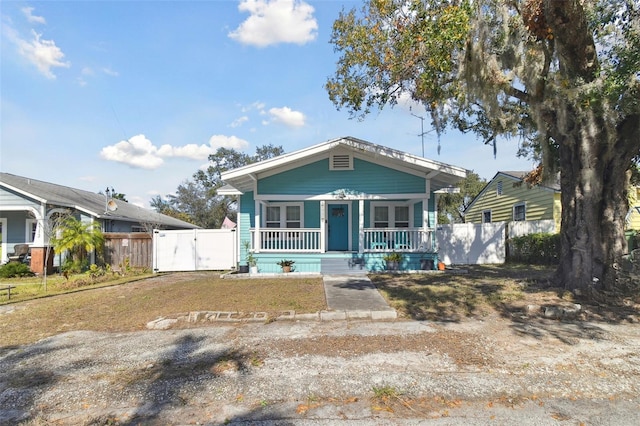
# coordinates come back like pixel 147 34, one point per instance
pixel 339 206
pixel 28 205
pixel 507 197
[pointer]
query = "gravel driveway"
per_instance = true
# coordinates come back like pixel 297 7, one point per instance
pixel 489 371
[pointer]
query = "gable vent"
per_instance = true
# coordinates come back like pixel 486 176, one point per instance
pixel 341 162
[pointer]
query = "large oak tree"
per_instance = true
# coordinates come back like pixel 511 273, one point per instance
pixel 561 75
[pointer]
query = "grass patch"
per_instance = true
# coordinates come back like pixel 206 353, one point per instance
pixel 129 307
pixel 27 288
pixel 481 291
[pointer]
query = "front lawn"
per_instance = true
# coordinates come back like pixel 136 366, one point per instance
pixel 130 306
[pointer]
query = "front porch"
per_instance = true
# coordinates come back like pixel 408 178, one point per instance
pixel 309 248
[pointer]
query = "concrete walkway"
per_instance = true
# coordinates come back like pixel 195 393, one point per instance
pixel 354 296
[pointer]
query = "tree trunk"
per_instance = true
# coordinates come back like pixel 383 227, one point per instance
pixel 595 155
pixel 594 183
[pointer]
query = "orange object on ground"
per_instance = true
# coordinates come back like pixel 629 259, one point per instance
pixel 441 266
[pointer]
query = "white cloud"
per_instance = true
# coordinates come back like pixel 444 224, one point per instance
pixel 137 151
pixel 231 142
pixel 239 121
pixel 31 17
pixel 44 54
pixel 140 152
pixel 287 116
pixel 276 21
pixel 110 72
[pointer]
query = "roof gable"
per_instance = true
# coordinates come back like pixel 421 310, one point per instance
pixel 516 176
pixel 441 174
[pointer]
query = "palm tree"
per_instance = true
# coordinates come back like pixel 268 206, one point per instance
pixel 78 238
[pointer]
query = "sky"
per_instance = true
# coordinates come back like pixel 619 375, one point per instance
pixel 135 95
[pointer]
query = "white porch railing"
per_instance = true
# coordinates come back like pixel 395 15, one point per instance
pixel 300 240
pixel 375 240
pixel 398 239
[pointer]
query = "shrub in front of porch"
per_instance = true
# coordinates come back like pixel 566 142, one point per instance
pixel 286 264
pixel 392 261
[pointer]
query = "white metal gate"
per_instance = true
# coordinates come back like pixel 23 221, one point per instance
pixel 194 250
pixel 471 244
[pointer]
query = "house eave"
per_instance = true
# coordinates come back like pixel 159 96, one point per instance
pixel 443 174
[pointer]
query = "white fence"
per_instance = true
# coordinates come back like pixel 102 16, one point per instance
pixel 475 244
pixel 520 228
pixel 194 250
pixel 471 244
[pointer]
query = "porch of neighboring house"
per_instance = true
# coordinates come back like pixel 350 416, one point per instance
pixel 342 243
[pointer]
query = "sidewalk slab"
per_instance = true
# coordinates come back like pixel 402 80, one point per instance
pixel 355 294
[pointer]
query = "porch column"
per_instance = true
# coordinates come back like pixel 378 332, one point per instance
pixel 256 237
pixel 323 226
pixel 41 252
pixel 426 223
pixel 361 225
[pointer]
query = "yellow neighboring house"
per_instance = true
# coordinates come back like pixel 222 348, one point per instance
pixel 506 197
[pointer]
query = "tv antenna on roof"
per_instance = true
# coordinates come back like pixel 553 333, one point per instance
pixel 422 132
pixel 110 204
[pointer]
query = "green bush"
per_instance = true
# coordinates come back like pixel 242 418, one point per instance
pixel 538 249
pixel 71 266
pixel 15 269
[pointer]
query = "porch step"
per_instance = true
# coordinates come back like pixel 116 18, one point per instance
pixel 343 266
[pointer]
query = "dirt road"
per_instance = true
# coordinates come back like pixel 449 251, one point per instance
pixel 489 371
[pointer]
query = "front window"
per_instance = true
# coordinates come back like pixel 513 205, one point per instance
pixel 293 217
pixel 284 216
pixel 401 216
pixel 32 226
pixel 391 216
pixel 273 217
pixel 486 216
pixel 519 212
pixel 381 217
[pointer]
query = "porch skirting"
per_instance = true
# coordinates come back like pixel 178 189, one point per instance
pixel 348 262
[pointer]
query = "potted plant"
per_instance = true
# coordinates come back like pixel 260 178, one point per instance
pixel 286 265
pixel 252 262
pixel 249 258
pixel 427 264
pixel 392 260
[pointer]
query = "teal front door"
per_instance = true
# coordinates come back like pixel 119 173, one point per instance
pixel 338 227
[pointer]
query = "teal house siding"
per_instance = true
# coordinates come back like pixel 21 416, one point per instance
pixel 316 178
pixel 312 214
pixel 246 221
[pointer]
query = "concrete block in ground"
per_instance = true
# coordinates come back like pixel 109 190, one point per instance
pixel 358 314
pixel 228 316
pixel 259 316
pixel 382 315
pixel 287 315
pixel 304 317
pixel 333 315
pixel 197 316
pixel 161 324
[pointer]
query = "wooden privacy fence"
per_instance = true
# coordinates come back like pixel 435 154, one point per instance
pixel 136 246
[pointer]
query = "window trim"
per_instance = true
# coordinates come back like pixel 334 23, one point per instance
pixel 30 232
pixel 391 213
pixel 283 217
pixel 524 212
pixel 490 215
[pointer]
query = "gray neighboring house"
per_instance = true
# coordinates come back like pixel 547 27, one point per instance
pixel 27 205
